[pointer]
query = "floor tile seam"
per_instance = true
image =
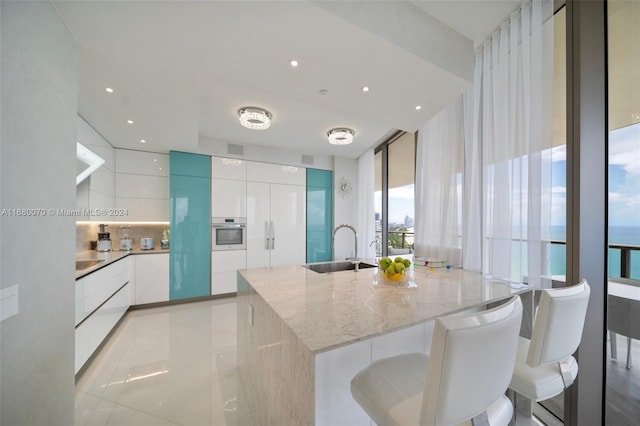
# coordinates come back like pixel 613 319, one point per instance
pixel 137 410
pixel 94 408
pixel 150 415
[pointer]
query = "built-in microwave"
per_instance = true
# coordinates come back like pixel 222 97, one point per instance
pixel 228 233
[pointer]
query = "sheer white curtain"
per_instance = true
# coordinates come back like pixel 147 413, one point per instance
pixel 472 186
pixel 366 225
pixel 513 82
pixel 439 168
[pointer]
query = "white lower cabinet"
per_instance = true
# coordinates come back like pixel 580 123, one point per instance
pixel 93 289
pixel 152 278
pixel 93 330
pixel 224 267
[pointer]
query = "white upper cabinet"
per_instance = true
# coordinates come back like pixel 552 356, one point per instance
pixel 228 168
pixel 142 185
pixel 88 137
pixel 98 190
pixel 276 173
pixel 228 198
pixel 228 187
pixel 141 163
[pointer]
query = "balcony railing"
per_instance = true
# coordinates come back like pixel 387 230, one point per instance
pixel 625 256
pixel 404 242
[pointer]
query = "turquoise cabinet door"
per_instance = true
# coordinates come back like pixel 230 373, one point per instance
pixel 319 215
pixel 187 164
pixel 190 251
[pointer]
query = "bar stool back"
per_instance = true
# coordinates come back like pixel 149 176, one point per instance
pixel 465 376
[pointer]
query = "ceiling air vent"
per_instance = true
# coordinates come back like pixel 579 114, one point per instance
pixel 235 149
pixel 307 159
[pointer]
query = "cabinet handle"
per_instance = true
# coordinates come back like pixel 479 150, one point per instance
pixel 273 237
pixel 267 231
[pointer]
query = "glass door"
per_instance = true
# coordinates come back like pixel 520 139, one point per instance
pixel 623 301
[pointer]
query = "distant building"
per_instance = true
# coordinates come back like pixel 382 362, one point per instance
pixel 408 221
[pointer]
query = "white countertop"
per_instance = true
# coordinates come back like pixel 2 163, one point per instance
pixel 108 257
pixel 335 309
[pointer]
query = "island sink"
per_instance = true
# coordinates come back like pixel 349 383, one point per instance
pixel 323 268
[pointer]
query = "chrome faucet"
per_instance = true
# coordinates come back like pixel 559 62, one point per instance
pixel 333 240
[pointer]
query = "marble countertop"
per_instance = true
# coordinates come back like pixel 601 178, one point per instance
pixel 335 309
pixel 107 257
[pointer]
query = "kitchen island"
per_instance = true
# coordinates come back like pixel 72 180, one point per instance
pixel 303 335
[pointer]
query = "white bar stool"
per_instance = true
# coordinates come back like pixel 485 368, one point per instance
pixel 545 365
pixel 465 376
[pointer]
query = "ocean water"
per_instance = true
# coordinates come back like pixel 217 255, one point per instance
pixel 625 235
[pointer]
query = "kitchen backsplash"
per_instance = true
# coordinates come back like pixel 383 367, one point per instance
pixel 86 232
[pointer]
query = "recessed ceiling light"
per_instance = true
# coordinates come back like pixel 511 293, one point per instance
pixel 365 88
pixel 418 107
pixel 294 63
pixel 323 91
pixel 109 90
pixel 143 141
pixel 155 160
pixel 130 121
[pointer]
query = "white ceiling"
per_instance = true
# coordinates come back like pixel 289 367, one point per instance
pixel 182 69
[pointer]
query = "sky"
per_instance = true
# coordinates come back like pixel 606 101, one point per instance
pixel 624 176
pixel 401 203
pixel 624 179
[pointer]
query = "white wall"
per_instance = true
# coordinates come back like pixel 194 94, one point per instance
pixel 345 209
pixel 38 163
pixel 219 148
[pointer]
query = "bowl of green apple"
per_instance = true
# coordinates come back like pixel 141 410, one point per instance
pixel 394 271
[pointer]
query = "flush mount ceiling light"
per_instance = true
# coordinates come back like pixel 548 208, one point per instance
pixel 340 136
pixel 254 118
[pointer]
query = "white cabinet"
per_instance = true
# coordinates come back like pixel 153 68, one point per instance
pixel 276 224
pixel 151 278
pixel 228 198
pixel 93 289
pixel 224 267
pixel 228 187
pixel 276 173
pixel 91 333
pixel 141 163
pixel 142 185
pixel 102 298
pixel 98 191
pixel 228 168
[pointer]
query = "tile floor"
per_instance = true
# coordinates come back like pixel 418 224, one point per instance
pixel 173 365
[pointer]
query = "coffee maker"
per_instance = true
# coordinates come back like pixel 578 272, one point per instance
pixel 104 240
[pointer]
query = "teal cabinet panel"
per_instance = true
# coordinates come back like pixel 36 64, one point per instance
pixel 319 215
pixel 319 178
pixel 190 252
pixel 187 164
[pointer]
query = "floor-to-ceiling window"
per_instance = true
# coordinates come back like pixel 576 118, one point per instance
pixel 394 195
pixel 623 322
